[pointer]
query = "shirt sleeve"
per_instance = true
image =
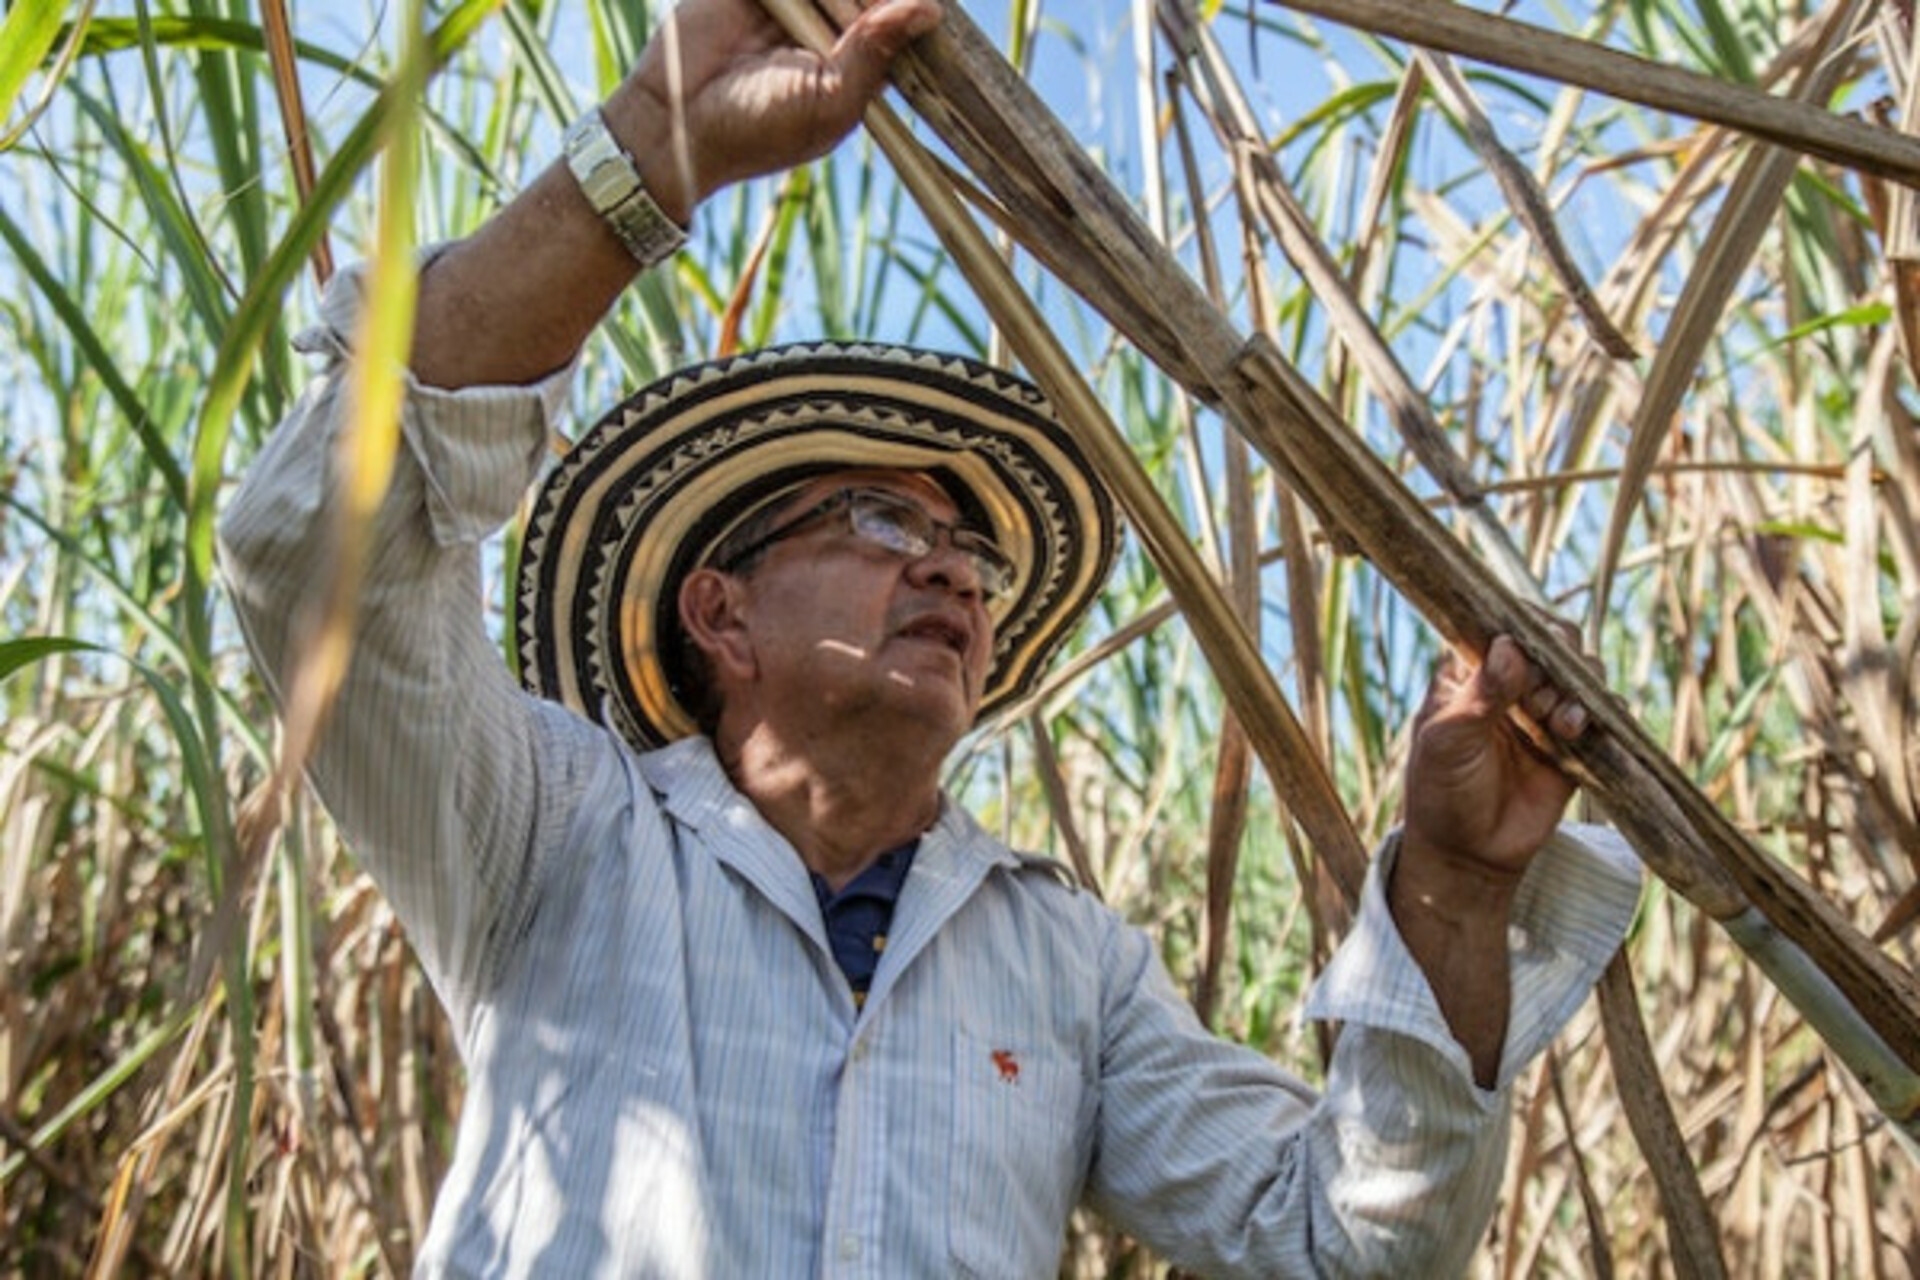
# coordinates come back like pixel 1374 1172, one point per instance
pixel 1230 1166
pixel 432 758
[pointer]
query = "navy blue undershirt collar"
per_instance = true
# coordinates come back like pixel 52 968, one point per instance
pixel 858 917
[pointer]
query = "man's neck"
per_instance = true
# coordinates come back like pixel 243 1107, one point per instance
pixel 840 808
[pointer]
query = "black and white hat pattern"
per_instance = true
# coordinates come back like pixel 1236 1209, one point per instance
pixel 656 484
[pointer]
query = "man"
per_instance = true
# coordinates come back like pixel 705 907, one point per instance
pixel 761 1001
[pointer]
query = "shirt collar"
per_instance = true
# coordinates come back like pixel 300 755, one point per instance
pixel 880 881
pixel 695 790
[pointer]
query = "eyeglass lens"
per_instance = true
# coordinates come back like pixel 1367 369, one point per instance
pixel 902 526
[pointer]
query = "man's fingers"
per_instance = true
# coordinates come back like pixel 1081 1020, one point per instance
pixel 1505 680
pixel 1506 676
pixel 1561 714
pixel 872 41
pixel 1569 720
pixel 1461 691
pixel 1542 700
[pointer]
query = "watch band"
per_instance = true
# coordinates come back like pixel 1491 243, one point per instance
pixel 612 185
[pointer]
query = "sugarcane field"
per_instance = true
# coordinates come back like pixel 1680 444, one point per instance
pixel 1134 639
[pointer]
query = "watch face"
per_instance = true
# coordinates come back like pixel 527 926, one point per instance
pixel 610 184
pixel 599 166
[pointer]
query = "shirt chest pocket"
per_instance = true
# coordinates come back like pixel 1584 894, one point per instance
pixel 1016 1156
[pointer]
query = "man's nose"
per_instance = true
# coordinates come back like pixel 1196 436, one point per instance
pixel 947 566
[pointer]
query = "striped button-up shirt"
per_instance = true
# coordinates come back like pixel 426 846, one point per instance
pixel 668 1075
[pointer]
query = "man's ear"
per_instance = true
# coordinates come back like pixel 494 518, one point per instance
pixel 710 610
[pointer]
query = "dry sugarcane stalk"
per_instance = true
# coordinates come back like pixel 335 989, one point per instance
pixel 1197 46
pixel 1636 1072
pixel 1900 55
pixel 1333 908
pixel 1520 46
pixel 1866 1007
pixel 1893 208
pixel 1054 785
pixel 1525 197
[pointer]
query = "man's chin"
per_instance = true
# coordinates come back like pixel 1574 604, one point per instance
pixel 944 699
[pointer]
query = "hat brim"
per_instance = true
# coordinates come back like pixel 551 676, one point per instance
pixel 645 494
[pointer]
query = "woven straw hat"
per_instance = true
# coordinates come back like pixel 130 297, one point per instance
pixel 654 486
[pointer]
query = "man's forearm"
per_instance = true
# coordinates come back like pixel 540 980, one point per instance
pixel 1452 915
pixel 516 300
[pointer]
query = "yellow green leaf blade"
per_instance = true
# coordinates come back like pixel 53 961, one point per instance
pixel 26 36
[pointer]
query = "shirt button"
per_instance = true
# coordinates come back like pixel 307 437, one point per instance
pixel 860 1055
pixel 849 1248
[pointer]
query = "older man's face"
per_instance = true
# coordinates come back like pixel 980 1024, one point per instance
pixel 843 625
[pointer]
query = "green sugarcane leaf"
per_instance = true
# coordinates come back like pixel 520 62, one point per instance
pixel 15 654
pixel 26 36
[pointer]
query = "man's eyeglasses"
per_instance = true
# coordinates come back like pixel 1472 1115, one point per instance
pixel 896 524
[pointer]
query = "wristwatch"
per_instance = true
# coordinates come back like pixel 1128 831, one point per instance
pixel 612 185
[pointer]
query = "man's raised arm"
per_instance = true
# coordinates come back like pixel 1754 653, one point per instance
pixel 429 758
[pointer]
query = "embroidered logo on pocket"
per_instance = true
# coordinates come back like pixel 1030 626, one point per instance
pixel 1009 1065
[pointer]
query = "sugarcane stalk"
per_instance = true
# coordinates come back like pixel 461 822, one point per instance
pixel 1893 1088
pixel 1520 46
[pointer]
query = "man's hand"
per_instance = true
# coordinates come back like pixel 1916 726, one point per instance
pixel 1481 801
pixel 1478 793
pixel 741 100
